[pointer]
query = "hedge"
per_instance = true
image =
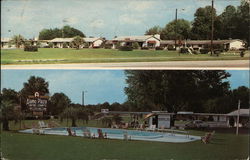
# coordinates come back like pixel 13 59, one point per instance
pixel 125 48
pixel 31 48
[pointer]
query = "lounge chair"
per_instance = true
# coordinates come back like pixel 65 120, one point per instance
pixel 125 126
pixel 151 128
pixel 208 137
pixel 42 124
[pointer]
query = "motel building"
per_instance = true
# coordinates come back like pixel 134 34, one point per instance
pixel 165 120
pixel 230 44
pixel 150 41
pixel 89 42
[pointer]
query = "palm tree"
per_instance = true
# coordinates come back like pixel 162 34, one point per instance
pixel 18 40
pixel 7 113
pixel 106 121
pixel 77 42
pixel 71 113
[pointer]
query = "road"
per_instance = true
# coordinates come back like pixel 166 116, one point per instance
pixel 172 65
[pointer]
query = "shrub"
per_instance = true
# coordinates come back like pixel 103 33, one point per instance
pixel 125 48
pixel 195 52
pixel 135 45
pixel 171 47
pixel 65 45
pixel 204 51
pixel 108 46
pixel 159 48
pixel 183 50
pixel 144 48
pixel 29 48
pixel 50 45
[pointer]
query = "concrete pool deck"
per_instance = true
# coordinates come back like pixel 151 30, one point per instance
pixel 118 134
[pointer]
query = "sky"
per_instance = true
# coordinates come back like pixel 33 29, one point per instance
pixel 99 85
pixel 106 18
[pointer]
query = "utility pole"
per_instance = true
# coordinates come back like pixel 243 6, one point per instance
pixel 238 119
pixel 175 28
pixel 212 32
pixel 83 97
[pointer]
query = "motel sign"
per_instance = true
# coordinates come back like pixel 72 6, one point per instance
pixel 37 103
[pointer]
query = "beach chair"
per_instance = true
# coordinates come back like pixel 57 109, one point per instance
pixel 42 124
pixel 151 128
pixel 125 126
pixel 208 137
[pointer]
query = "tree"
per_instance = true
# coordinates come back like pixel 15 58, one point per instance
pixel 71 113
pixel 174 90
pixel 241 93
pixel 65 32
pixel 75 112
pixel 58 102
pixel 154 30
pixel 182 27
pixel 135 45
pixel 9 100
pixel 228 23
pixel 77 42
pixel 201 27
pixel 242 23
pixel 18 40
pixel 69 32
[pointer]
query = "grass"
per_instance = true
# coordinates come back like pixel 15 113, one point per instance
pixel 19 146
pixel 68 55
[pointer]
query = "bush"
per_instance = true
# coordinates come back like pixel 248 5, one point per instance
pixel 107 46
pixel 159 48
pixel 183 50
pixel 125 48
pixel 65 45
pixel 195 52
pixel 144 48
pixel 135 45
pixel 204 51
pixel 171 48
pixel 30 48
pixel 50 45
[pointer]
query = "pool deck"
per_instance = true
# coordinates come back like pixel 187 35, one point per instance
pixel 151 136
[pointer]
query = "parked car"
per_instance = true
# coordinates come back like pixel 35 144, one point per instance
pixel 197 124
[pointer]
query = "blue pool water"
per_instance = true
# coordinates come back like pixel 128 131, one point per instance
pixel 119 134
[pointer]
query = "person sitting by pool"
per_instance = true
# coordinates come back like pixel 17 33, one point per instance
pixel 69 132
pixel 93 136
pixel 87 133
pixel 125 135
pixel 100 134
pixel 105 135
pixel 74 133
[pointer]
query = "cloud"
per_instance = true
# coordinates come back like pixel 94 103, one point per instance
pixel 129 19
pixel 97 23
pixel 139 6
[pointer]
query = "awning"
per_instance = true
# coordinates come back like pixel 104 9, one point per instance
pixel 152 42
pixel 149 115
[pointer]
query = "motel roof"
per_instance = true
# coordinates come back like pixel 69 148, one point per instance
pixel 62 40
pixel 243 113
pixel 134 38
pixel 5 39
pixel 199 42
pixel 92 39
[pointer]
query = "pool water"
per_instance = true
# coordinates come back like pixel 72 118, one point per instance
pixel 119 134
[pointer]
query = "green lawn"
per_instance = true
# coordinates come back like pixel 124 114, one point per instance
pixel 18 146
pixel 68 55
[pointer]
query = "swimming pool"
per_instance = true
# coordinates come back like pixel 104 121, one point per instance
pixel 119 134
